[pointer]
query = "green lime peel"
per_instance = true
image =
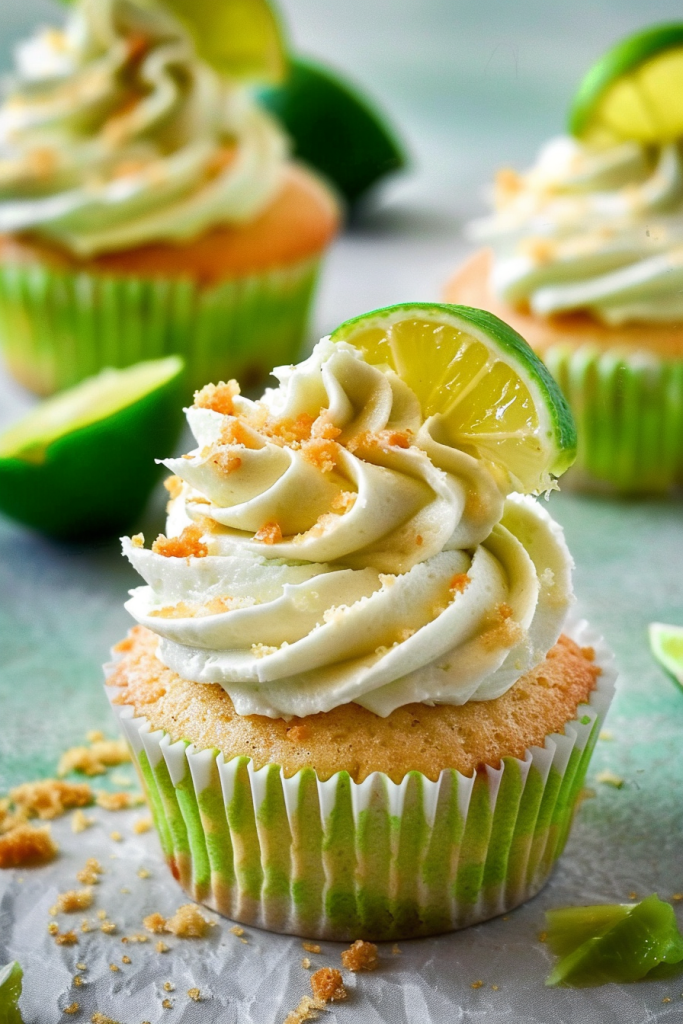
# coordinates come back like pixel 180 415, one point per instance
pixel 614 943
pixel 10 990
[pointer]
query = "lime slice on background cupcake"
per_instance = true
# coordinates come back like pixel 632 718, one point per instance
pixel 334 128
pixel 666 644
pixel 497 399
pixel 634 92
pixel 81 464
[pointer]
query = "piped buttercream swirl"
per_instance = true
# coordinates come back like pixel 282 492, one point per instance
pixel 330 547
pixel 593 230
pixel 113 134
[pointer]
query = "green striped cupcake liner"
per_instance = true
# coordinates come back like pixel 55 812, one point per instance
pixel 337 859
pixel 628 408
pixel 58 327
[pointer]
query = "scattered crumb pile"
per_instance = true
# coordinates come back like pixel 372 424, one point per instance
pixel 188 922
pixel 327 983
pixel 95 758
pixel 26 845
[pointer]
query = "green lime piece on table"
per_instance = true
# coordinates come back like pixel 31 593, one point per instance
pixel 634 92
pixel 495 398
pixel 81 464
pixel 666 643
pixel 334 128
pixel 619 943
pixel 10 989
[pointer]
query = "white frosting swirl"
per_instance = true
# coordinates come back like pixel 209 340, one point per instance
pixel 115 134
pixel 367 561
pixel 593 230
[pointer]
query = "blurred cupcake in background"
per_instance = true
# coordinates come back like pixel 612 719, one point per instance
pixel 147 202
pixel 586 261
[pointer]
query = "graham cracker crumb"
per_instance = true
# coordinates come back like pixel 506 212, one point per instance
pixel 80 821
pixel 218 397
pixel 226 462
pixel 140 826
pixel 94 735
pixel 311 947
pixel 195 994
pixel 494 987
pixel 677 896
pixel 327 985
pixel 85 926
pixel 361 956
pixel 92 760
pixel 26 845
pixel 542 936
pixel 49 798
pixel 188 545
pixel 188 923
pixel 154 923
pixel 72 1008
pixel 306 1010
pixel 73 900
pixel 161 947
pixel 270 533
pixel 66 939
pixel 343 501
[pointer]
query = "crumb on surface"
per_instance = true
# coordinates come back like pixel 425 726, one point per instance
pixel 167 1004
pixel 194 994
pixel 327 985
pixel 66 938
pixel 108 927
pixel 609 778
pixel 395 949
pixel 140 826
pixel 81 966
pixel 89 875
pixel 677 896
pixel 321 453
pixel 360 956
pixel 306 1010
pixel 155 923
pixel 477 984
pixel 73 900
pixel 93 760
pixel 101 914
pixel 606 734
pixel 306 962
pixel 85 925
pixel 237 930
pixel 217 397
pixel 144 873
pixel 459 582
pixel 269 533
pixel 188 545
pixel 138 539
pixel 311 947
pixel 117 801
pixel 161 947
pixel 116 836
pixel 80 821
pixel 101 1018
pixel 49 798
pixel 126 960
pixel 188 922
pixel 27 845
pixel 169 986
pixel 72 1008
pixel 114 967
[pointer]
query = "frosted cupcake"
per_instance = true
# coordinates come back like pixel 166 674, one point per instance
pixel 147 207
pixel 349 694
pixel 586 261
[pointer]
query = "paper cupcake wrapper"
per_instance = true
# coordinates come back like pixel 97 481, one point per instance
pixel 628 409
pixel 340 859
pixel 58 327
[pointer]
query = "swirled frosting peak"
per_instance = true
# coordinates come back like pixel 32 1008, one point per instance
pixel 324 545
pixel 593 230
pixel 114 134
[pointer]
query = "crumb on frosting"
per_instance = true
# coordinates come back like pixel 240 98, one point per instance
pixel 174 486
pixel 379 439
pixel 321 453
pixel 343 501
pixel 269 533
pixel 188 545
pixel 360 956
pixel 218 397
pixel 226 462
pixel 459 582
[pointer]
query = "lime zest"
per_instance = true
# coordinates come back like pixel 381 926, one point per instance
pixel 86 403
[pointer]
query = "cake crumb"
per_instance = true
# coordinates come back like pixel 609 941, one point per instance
pixel 93 760
pixel 144 873
pixel 138 539
pixel 49 798
pixel 53 928
pixel 174 486
pixel 217 397
pixel 188 923
pixel 306 963
pixel 494 987
pixel 117 801
pixel 114 967
pixel 142 825
pixel 306 1010
pixel 155 923
pixel 81 966
pixel 327 985
pixel 237 930
pixel 269 533
pixel 101 1018
pixel 161 947
pixel 27 845
pixel 188 545
pixel 73 900
pixel 194 994
pixel 80 821
pixel 677 896
pixel 396 951
pixel 66 938
pixel 167 1004
pixel 85 925
pixel 89 874
pixel 108 927
pixel 311 947
pixel 609 778
pixel 542 936
pixel 169 986
pixel 459 582
pixel 126 960
pixel 78 981
pixel 360 956
pixel 477 984
pixel 116 836
pixel 72 1008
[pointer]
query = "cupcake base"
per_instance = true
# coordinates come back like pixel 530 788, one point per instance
pixel 336 859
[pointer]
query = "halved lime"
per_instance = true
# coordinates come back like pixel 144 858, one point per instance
pixel 81 464
pixel 496 398
pixel 10 989
pixel 635 91
pixel 334 128
pixel 666 643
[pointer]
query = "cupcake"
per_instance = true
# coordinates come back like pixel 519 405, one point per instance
pixel 584 256
pixel 353 695
pixel 147 207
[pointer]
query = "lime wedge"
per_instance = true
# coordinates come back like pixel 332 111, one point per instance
pixel 239 38
pixel 81 464
pixel 635 91
pixel 614 943
pixel 666 643
pixel 10 990
pixel 496 398
pixel 334 128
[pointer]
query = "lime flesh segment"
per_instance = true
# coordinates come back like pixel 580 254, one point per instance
pixel 334 128
pixel 10 989
pixel 634 92
pixel 666 643
pixel 81 465
pixel 644 938
pixel 495 397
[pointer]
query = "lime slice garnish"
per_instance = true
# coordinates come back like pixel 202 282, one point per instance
pixel 496 398
pixel 10 989
pixel 618 943
pixel 635 91
pixel 666 643
pixel 240 38
pixel 81 464
pixel 334 128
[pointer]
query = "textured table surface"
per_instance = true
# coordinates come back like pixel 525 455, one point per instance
pixel 473 84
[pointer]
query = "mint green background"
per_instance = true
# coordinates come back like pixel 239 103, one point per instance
pixel 474 84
